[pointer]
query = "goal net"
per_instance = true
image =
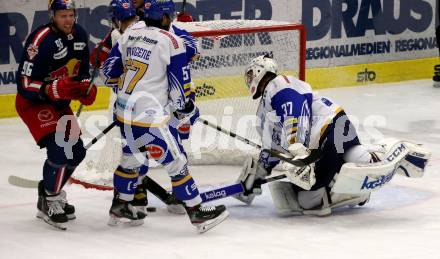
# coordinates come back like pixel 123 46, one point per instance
pixel 226 47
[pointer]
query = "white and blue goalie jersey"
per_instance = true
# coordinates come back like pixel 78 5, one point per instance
pixel 146 67
pixel 290 112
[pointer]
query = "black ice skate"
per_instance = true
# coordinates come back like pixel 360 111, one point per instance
pixel 122 211
pixel 206 217
pixel 69 209
pixel 50 209
pixel 140 200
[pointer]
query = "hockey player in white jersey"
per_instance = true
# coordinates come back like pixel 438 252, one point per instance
pixel 295 120
pixel 150 61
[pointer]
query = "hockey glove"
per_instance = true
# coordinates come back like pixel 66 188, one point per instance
pixel 299 151
pixel 189 114
pixel 89 99
pixel 66 88
pixel 252 172
pixel 303 177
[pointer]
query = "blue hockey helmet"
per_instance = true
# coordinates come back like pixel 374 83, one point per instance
pixel 55 5
pixel 121 10
pixel 155 9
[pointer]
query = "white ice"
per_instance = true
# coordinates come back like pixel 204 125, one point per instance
pixel 402 220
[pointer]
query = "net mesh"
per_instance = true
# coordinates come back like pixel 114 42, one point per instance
pixel 226 47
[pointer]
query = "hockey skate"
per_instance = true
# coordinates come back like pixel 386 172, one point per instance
pixel 140 200
pixel 174 205
pixel 68 208
pixel 121 211
pixel 206 217
pixel 51 211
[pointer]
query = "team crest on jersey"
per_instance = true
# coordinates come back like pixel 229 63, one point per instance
pixel 70 36
pixel 32 51
pixel 155 151
pixel 127 5
pixel 45 115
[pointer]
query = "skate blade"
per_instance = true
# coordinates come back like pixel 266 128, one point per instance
pixel 176 209
pixel 207 225
pixel 45 218
pixel 115 221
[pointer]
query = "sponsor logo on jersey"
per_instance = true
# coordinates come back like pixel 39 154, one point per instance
pixel 45 115
pixel 155 151
pixel 70 69
pixel 184 129
pixel 215 194
pixel 79 45
pixel 59 44
pixel 173 40
pixel 61 54
pixel 32 51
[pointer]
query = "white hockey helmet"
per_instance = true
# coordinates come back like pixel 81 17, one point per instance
pixel 255 71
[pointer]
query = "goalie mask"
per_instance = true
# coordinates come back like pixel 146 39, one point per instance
pixel 256 70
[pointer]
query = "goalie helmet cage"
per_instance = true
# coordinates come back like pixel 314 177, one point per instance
pixel 226 47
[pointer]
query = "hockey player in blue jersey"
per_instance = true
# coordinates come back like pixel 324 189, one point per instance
pixel 294 119
pixel 54 70
pixel 122 15
pixel 150 60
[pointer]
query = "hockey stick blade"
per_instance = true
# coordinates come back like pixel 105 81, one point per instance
pixel 22 182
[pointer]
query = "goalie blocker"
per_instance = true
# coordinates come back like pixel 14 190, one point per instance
pixel 354 183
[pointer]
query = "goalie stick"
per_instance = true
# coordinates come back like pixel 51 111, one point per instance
pixel 315 154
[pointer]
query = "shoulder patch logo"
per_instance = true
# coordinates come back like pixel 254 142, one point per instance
pixel 32 51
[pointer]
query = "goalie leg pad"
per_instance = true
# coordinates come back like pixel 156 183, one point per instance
pixel 413 165
pixel 315 203
pixel 285 199
pixel 251 172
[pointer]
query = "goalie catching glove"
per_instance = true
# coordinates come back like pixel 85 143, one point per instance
pixel 303 177
pixel 252 172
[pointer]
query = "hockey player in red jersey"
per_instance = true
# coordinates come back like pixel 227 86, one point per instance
pixel 54 70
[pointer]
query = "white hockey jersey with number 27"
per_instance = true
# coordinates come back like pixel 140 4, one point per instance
pixel 290 112
pixel 146 67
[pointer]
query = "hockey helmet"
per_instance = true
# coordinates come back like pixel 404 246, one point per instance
pixel 155 9
pixel 55 5
pixel 121 10
pixel 257 69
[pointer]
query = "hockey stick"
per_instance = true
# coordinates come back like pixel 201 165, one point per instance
pixel 28 183
pixel 183 6
pixel 315 154
pixel 234 189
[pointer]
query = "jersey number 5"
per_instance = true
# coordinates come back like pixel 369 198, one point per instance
pixel 139 69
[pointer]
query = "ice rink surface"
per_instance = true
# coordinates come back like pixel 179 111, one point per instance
pixel 402 220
